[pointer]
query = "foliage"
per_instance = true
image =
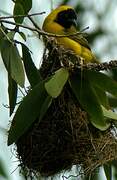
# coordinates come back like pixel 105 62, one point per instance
pixel 96 91
pixel 3 173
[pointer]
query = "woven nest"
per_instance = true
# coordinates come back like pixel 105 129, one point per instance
pixel 64 137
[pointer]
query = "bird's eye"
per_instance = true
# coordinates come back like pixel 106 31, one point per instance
pixel 66 15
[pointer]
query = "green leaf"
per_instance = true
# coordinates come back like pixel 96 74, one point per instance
pixel 114 170
pixel 13 62
pixel 11 35
pixel 55 85
pixel 3 31
pixel 18 10
pixel 102 81
pixel 3 170
pixel 12 91
pixel 22 35
pixel 26 4
pixel 45 107
pixel 88 99
pixel 29 110
pixel 17 71
pixel 31 70
pixel 112 102
pixel 65 1
pixel 114 73
pixel 109 113
pixel 108 171
pixel 5 53
pixel 102 96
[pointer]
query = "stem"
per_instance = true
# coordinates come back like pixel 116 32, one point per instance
pixel 98 67
pixel 17 16
pixel 33 22
pixel 41 32
pixel 17 24
pixel 5 35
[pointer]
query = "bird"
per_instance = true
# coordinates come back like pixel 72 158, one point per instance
pixel 63 21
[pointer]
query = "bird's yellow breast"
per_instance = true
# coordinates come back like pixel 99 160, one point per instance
pixel 76 48
pixel 68 43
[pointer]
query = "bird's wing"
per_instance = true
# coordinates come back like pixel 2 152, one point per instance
pixel 81 40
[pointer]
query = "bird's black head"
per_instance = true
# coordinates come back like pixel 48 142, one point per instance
pixel 67 18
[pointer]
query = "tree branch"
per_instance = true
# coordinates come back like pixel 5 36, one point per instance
pixel 17 16
pixel 39 31
pixel 92 66
pixel 98 67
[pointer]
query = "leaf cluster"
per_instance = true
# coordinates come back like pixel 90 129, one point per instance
pixel 95 91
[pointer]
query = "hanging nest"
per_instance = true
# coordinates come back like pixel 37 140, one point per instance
pixel 64 137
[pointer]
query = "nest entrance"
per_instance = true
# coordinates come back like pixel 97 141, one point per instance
pixel 64 137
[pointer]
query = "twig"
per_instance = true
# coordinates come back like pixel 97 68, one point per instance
pixel 41 32
pixel 17 16
pixel 84 29
pixel 98 67
pixel 34 23
pixel 17 24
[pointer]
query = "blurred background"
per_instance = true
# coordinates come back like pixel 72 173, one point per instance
pixel 100 16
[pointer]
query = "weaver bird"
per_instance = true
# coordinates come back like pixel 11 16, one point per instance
pixel 63 21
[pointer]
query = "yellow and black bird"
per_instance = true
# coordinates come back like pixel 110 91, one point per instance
pixel 63 21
